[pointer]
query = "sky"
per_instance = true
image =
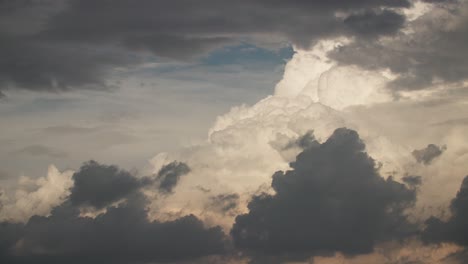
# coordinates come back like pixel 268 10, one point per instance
pixel 249 131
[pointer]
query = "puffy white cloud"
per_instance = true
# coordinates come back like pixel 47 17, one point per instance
pixel 37 196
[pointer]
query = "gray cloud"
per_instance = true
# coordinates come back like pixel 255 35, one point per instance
pixel 224 203
pixel 436 52
pixel 169 175
pixel 412 181
pixel 373 24
pixel 100 185
pixel 305 141
pixel 202 189
pixel 42 65
pixel 454 229
pixel 333 199
pixel 52 47
pixel 428 154
pixel 121 235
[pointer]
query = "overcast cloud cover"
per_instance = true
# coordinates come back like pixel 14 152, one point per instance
pixel 248 131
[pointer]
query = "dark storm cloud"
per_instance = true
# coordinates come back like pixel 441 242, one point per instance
pixel 428 154
pixel 51 46
pixel 121 235
pixel 454 229
pixel 9 234
pixel 436 52
pixel 163 26
pixel 169 175
pixel 100 185
pixel 333 199
pixel 372 24
pixel 45 66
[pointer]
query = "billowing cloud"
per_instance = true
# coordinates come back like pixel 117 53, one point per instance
pixel 36 196
pixel 100 185
pixel 333 199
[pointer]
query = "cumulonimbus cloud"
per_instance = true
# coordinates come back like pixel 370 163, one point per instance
pixel 333 199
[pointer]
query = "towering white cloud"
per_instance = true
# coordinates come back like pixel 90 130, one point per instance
pixel 249 143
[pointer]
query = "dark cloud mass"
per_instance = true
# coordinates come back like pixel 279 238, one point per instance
pixel 428 154
pixel 454 229
pixel 75 44
pixel 333 199
pixel 436 52
pixel 169 175
pixel 122 234
pixel 42 65
pixel 100 185
pixel 372 24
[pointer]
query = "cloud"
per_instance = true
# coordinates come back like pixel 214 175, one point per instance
pixel 100 185
pixel 305 141
pixel 122 234
pixel 455 229
pixel 45 48
pixel 76 44
pixel 37 196
pixel 224 203
pixel 169 175
pixel 428 154
pixel 431 51
pixel 412 181
pixel 333 199
pixel 42 65
pixel 373 24
pixel 119 233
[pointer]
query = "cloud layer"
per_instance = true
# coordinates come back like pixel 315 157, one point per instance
pixel 77 44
